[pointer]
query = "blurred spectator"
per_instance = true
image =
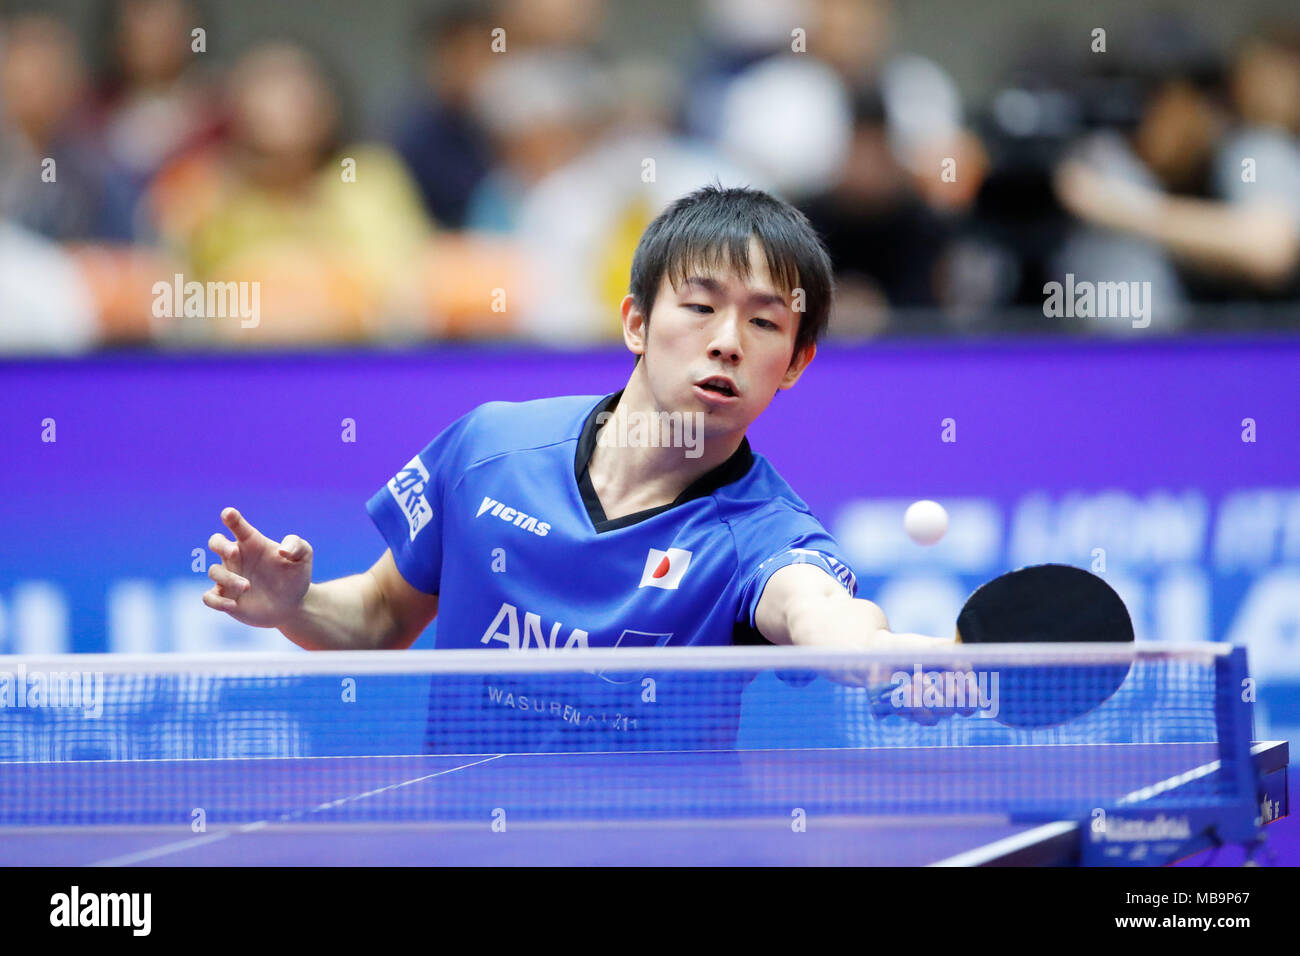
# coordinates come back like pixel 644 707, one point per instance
pixel 755 82
pixel 876 129
pixel 45 304
pixel 1164 161
pixel 922 104
pixel 579 226
pixel 1177 133
pixel 441 138
pixel 154 102
pixel 1145 115
pixel 884 241
pixel 544 100
pixel 1169 148
pixel 552 24
pixel 1266 93
pixel 1093 254
pixel 1250 231
pixel 853 36
pixel 736 35
pixel 790 117
pixel 279 206
pixel 543 109
pixel 52 181
pixel 753 97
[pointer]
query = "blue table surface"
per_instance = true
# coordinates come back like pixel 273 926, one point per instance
pixel 857 807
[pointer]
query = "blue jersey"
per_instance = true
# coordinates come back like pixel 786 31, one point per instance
pixel 498 516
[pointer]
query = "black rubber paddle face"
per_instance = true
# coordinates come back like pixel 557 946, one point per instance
pixel 1048 604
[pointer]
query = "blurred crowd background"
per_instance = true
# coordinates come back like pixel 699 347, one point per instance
pixel 399 171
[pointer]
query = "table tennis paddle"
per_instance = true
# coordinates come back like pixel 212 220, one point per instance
pixel 1049 604
pixel 1045 604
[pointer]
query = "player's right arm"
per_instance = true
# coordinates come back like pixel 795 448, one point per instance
pixel 265 583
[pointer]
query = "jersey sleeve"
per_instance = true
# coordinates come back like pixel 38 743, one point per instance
pixel 779 541
pixel 408 510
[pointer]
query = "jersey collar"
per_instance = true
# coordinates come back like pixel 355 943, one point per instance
pixel 730 470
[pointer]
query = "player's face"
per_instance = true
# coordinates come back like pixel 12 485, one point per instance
pixel 722 344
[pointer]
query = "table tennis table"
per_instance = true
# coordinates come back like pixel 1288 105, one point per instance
pixel 518 809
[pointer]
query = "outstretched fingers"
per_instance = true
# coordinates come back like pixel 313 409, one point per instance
pixel 295 548
pixel 228 582
pixel 238 524
pixel 225 549
pixel 214 599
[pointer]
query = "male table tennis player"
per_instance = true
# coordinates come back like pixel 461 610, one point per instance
pixel 521 527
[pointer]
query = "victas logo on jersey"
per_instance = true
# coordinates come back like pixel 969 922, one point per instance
pixel 407 488
pixel 664 569
pixel 514 517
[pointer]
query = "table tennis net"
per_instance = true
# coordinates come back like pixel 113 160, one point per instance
pixel 606 735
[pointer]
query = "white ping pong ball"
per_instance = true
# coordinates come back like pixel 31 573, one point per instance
pixel 925 522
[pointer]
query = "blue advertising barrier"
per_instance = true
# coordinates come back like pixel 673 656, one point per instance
pixel 1173 468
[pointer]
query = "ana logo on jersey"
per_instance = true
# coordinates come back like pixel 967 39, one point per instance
pixel 664 569
pixel 505 629
pixel 407 488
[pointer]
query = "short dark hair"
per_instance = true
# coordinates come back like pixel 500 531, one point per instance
pixel 711 229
